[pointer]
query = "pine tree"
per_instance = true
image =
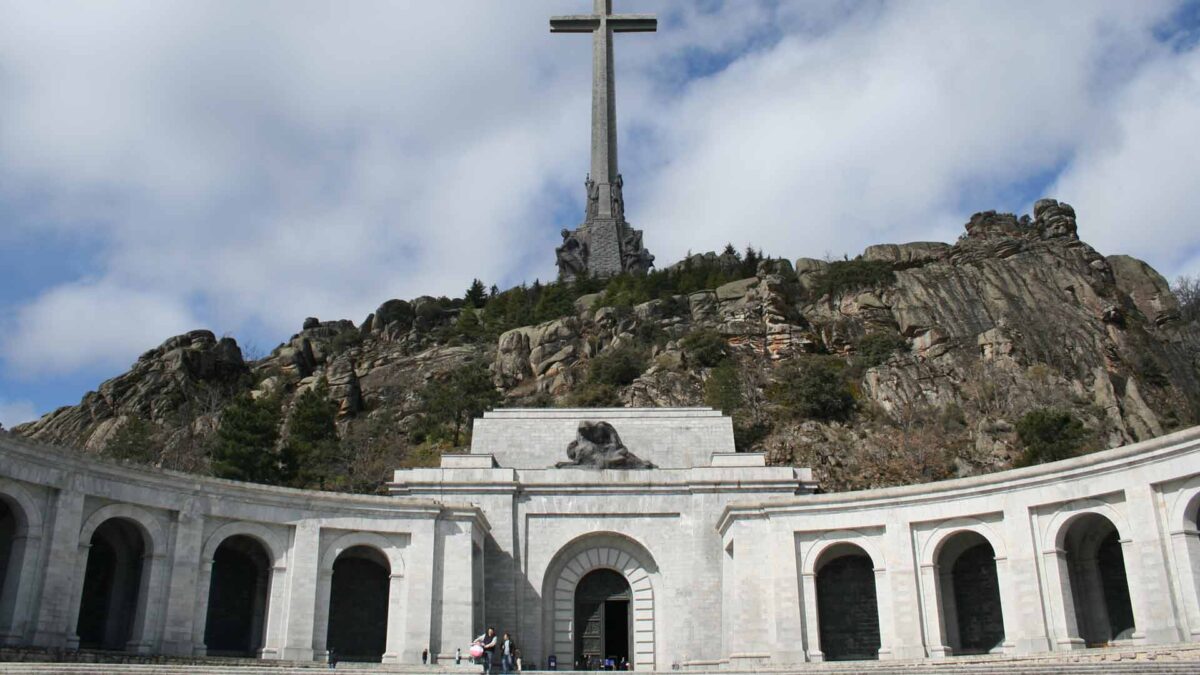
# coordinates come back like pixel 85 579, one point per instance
pixel 311 452
pixel 244 445
pixel 134 442
pixel 476 295
pixel 461 397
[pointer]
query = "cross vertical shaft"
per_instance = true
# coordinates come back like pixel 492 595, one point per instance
pixel 604 244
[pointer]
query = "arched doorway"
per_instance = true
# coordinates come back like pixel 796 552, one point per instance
pixel 237 598
pixel 112 585
pixel 8 538
pixel 577 562
pixel 847 607
pixel 970 594
pixel 1099 587
pixel 358 605
pixel 603 620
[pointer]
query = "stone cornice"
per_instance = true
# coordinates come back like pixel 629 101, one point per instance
pixel 1163 448
pixel 61 469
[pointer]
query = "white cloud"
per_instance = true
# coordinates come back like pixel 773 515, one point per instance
pixel 13 413
pixel 1136 187
pixel 90 324
pixel 251 164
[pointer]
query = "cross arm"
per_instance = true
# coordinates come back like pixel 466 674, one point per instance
pixel 580 23
pixel 633 23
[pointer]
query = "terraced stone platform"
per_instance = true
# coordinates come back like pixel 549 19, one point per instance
pixel 1172 660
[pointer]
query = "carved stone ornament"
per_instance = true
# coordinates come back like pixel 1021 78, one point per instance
pixel 597 445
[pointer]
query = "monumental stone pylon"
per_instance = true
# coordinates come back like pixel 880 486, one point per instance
pixel 605 244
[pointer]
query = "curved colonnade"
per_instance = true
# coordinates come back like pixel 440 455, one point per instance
pixel 1097 550
pixel 1102 549
pixel 95 555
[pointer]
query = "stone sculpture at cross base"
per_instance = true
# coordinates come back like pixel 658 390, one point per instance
pixel 605 244
pixel 597 445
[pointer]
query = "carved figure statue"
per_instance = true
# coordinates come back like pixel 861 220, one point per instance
pixel 593 198
pixel 634 257
pixel 618 198
pixel 572 255
pixel 597 445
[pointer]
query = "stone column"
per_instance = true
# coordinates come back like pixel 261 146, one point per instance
pixel 1150 588
pixel 320 620
pixel 18 588
pixel 455 627
pixel 394 649
pixel 302 592
pixel 59 601
pixel 753 618
pixel 787 647
pixel 812 623
pixel 935 619
pixel 887 630
pixel 277 604
pixel 418 607
pixel 1065 626
pixel 1009 604
pixel 1185 546
pixel 200 619
pixel 178 633
pixel 152 591
pixel 75 597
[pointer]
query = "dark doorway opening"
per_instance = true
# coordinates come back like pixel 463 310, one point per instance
pixel 847 609
pixel 237 598
pixel 1099 586
pixel 111 586
pixel 358 605
pixel 8 535
pixel 972 611
pixel 603 619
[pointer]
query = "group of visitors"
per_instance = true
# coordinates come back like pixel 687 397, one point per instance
pixel 490 645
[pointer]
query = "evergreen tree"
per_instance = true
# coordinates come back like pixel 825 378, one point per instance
pixel 244 445
pixel 461 397
pixel 133 441
pixel 311 452
pixel 476 295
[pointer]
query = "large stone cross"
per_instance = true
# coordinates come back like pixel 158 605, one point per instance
pixel 602 24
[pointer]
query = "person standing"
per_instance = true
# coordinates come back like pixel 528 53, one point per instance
pixel 506 655
pixel 488 642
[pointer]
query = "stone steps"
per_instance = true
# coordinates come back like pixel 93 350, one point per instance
pixel 926 668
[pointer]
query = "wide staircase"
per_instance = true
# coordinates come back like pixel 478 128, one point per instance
pixel 1160 660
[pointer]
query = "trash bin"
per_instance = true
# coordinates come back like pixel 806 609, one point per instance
pixel 552 663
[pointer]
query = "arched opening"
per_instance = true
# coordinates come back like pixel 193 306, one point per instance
pixel 358 605
pixel 847 608
pixel 1099 587
pixel 970 594
pixel 579 559
pixel 603 619
pixel 112 585
pixel 237 597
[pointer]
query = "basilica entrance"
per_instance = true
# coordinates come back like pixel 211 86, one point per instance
pixel 603 619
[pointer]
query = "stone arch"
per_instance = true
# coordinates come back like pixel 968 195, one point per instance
pixel 847 602
pixel 1184 529
pixel 945 531
pixel 20 533
pixel 155 538
pixel 969 602
pixel 838 538
pixel 1096 597
pixel 276 550
pixel 122 556
pixel 362 548
pixel 597 551
pixel 1056 530
pixel 238 600
pixel 269 538
pixel 386 547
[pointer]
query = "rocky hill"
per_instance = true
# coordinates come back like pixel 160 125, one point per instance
pixel 909 363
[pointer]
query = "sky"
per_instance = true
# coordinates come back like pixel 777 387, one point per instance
pixel 239 166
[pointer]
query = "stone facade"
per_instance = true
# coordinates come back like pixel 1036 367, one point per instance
pixel 729 563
